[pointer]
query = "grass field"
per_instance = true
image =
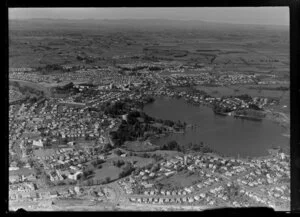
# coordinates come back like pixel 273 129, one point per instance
pixel 181 179
pixel 107 171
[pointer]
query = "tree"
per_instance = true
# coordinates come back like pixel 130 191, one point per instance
pixel 45 179
pixel 245 97
pixel 155 168
pixel 99 166
pixel 65 140
pixel 118 163
pixel 107 147
pixel 127 169
pixel 253 106
pixel 172 145
pixel 61 183
pixel 145 155
pixel 117 152
pixel 159 186
pixel 20 163
pixel 87 173
pixel 87 182
pixel 168 123
pixel 31 162
pixel 196 147
pixel 107 179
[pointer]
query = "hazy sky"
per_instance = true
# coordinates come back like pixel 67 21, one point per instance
pixel 249 15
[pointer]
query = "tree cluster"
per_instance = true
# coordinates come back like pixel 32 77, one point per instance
pixel 85 59
pixel 220 109
pixel 66 88
pixel 251 113
pixel 50 67
pixel 107 147
pixel 198 148
pixel 148 99
pixel 245 97
pixel 114 109
pixel 87 173
pixel 97 162
pixel 29 90
pixel 127 170
pixel 118 163
pixel 172 145
pixel 140 125
pixel 118 152
pixel 253 106
pixel 91 182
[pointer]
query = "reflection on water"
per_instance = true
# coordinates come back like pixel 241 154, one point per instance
pixel 227 135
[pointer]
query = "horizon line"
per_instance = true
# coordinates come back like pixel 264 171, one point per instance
pixel 166 19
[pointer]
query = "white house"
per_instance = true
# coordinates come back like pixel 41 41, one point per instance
pixel 38 143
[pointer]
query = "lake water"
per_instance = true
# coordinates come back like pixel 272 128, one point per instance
pixel 227 135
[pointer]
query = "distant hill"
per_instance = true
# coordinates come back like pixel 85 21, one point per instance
pixel 143 24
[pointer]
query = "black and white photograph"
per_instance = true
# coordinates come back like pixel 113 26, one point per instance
pixel 148 109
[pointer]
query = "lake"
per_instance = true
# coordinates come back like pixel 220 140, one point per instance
pixel 225 134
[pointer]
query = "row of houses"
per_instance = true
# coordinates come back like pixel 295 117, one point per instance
pixel 200 199
pixel 197 163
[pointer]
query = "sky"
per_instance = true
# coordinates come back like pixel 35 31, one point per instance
pixel 239 15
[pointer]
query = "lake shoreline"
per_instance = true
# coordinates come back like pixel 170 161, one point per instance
pixel 163 106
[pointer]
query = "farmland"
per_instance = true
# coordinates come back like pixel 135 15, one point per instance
pixel 247 50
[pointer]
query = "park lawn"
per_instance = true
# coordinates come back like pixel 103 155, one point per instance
pixel 107 170
pixel 180 180
pixel 140 161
